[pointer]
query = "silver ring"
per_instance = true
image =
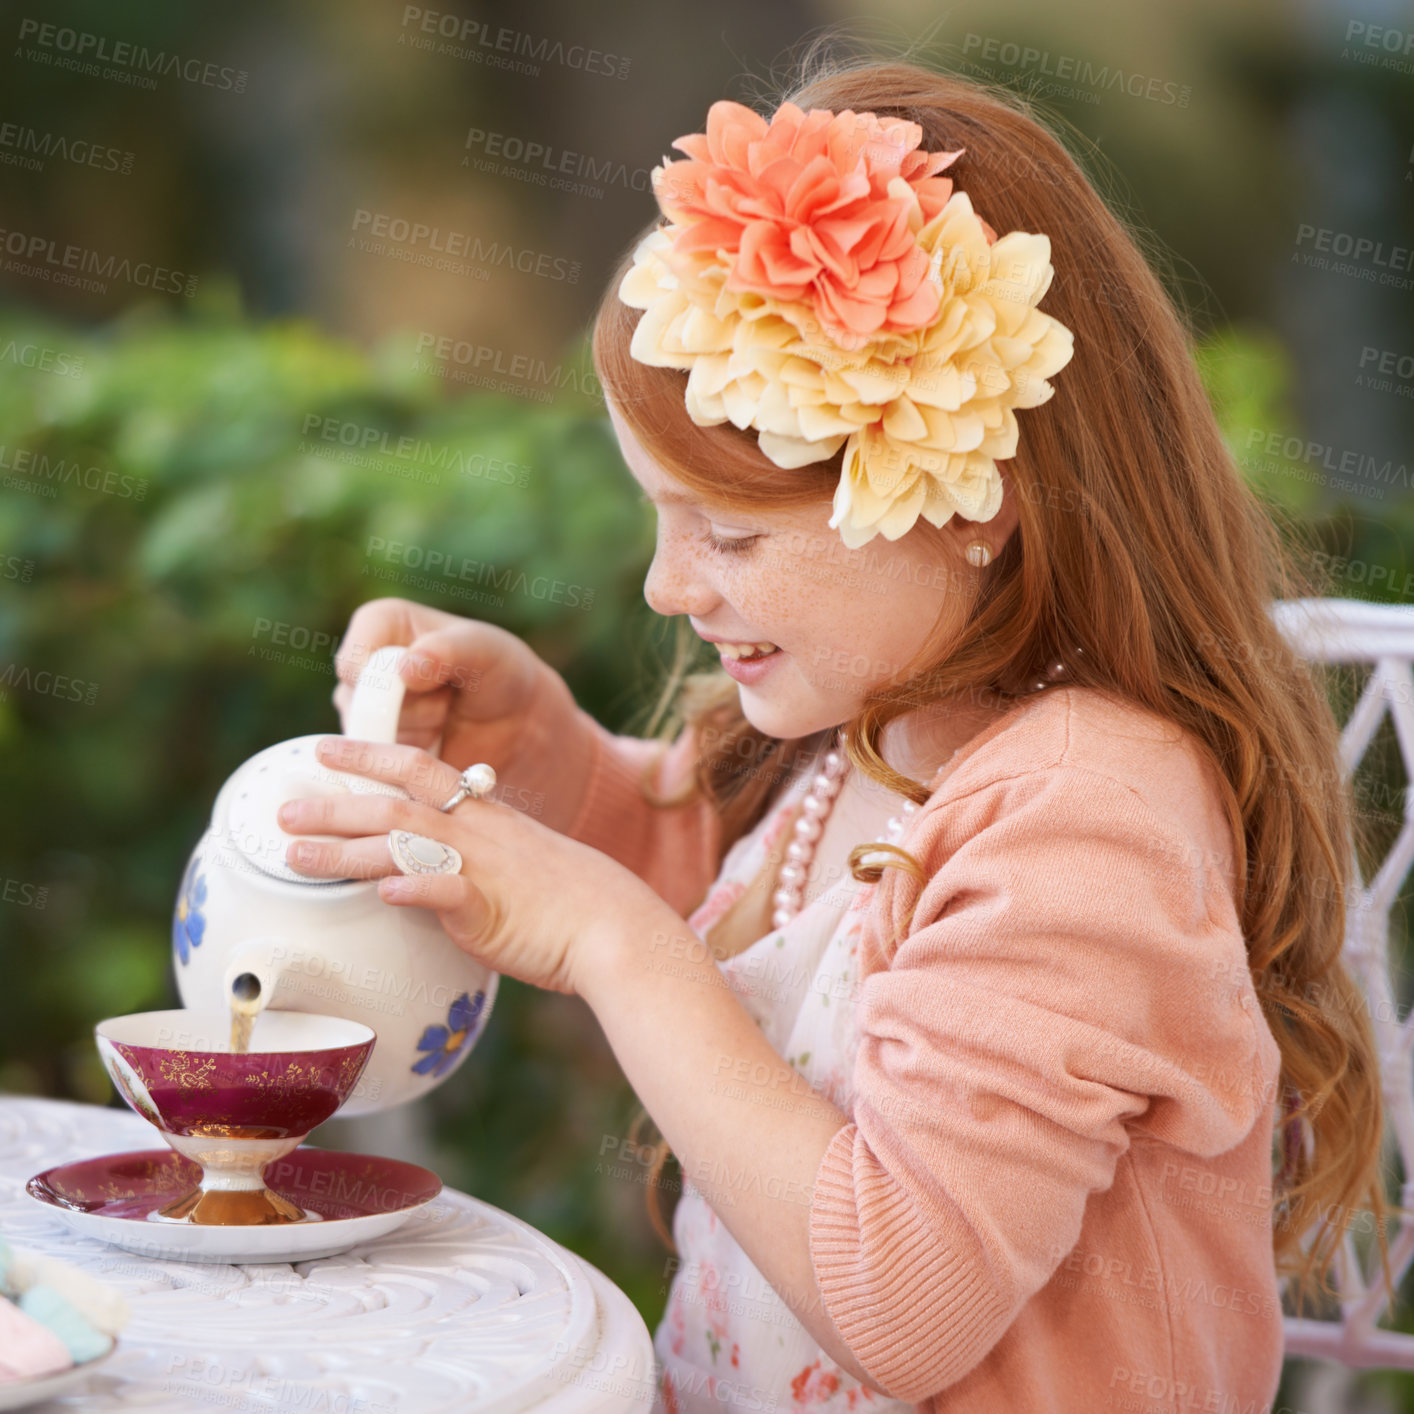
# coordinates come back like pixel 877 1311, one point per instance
pixel 416 854
pixel 477 781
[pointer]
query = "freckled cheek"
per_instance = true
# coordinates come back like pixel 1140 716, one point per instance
pixel 791 617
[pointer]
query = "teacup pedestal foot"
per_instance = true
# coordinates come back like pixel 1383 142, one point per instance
pixel 232 1191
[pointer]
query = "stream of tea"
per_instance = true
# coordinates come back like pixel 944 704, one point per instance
pixel 243 1013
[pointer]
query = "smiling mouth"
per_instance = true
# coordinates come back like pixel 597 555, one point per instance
pixel 747 653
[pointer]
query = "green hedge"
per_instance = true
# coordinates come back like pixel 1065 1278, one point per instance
pixel 192 507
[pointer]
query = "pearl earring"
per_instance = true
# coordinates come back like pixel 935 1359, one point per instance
pixel 979 554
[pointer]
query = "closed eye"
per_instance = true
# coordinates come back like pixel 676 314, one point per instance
pixel 723 544
pixel 735 545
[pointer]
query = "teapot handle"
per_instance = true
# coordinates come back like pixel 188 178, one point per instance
pixel 377 697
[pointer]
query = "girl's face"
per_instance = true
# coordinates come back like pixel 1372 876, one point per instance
pixel 844 621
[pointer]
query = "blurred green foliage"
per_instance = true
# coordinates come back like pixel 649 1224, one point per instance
pixel 199 503
pixel 172 608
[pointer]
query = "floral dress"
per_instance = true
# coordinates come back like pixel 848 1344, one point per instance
pixel 727 1340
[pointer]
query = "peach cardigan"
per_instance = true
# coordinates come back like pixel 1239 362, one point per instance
pixel 1054 1194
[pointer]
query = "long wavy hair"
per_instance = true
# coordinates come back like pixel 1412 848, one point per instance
pixel 1143 559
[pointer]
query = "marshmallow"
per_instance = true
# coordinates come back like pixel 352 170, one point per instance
pixel 28 1350
pixel 81 1340
pixel 101 1305
pixel 52 1315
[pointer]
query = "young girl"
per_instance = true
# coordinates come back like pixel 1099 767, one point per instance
pixel 1014 917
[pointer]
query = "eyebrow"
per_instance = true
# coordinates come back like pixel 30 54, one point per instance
pixel 671 498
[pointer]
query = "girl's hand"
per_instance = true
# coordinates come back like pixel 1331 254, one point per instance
pixel 529 902
pixel 485 693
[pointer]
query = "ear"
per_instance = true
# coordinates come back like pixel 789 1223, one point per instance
pixel 995 532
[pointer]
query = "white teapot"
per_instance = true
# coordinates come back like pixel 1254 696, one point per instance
pixel 248 924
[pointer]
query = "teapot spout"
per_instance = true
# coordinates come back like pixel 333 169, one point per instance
pixel 251 981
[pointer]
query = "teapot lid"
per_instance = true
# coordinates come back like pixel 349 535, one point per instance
pixel 245 812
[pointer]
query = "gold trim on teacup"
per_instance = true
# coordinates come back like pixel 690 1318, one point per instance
pixel 188 1071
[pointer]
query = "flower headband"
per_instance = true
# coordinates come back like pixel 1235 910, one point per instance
pixel 821 284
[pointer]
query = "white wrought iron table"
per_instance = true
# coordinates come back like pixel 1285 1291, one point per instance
pixel 463 1308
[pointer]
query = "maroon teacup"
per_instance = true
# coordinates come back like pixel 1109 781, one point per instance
pixel 233 1113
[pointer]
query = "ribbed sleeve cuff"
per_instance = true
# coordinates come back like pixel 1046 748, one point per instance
pixel 908 1306
pixel 613 792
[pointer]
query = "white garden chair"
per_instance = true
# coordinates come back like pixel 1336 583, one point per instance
pixel 1353 631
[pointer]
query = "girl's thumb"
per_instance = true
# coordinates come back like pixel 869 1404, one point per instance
pixel 420 667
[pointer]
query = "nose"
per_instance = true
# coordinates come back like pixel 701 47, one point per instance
pixel 676 582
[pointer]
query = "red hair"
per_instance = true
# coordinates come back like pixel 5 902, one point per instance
pixel 1138 542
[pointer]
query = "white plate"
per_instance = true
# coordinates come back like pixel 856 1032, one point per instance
pixel 109 1198
pixel 19 1394
pixel 188 1242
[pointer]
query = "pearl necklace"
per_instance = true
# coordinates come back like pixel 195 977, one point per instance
pixel 815 809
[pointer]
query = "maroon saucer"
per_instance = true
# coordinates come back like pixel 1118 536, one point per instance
pixel 353 1198
pixel 329 1182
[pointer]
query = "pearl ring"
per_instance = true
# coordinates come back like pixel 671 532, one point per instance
pixel 416 854
pixel 477 781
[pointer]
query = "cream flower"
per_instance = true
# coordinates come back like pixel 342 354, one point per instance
pixel 923 415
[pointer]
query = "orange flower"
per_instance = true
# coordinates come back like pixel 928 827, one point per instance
pixel 923 417
pixel 819 208
pixel 820 284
